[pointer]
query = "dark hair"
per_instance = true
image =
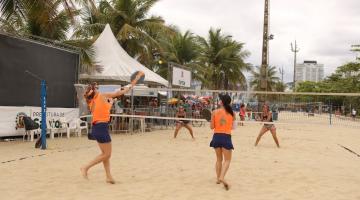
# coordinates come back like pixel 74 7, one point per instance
pixel 242 105
pixel 226 100
pixel 91 87
pixel 267 107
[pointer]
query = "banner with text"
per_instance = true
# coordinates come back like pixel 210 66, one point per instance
pixel 9 117
pixel 181 77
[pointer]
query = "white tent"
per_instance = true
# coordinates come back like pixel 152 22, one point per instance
pixel 116 63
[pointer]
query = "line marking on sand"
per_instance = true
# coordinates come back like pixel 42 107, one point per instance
pixel 351 151
pixel 44 154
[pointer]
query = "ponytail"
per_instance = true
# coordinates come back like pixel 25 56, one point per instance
pixel 226 100
pixel 229 109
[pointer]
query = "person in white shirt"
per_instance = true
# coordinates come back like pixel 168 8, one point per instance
pixel 353 113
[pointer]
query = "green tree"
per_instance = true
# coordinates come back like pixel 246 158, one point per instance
pixel 308 86
pixel 346 79
pixel 9 8
pixel 271 79
pixel 182 49
pixel 280 86
pixel 129 21
pixel 43 18
pixel 223 58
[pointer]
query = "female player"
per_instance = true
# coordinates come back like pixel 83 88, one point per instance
pixel 182 123
pixel 266 116
pixel 242 114
pixel 222 122
pixel 100 105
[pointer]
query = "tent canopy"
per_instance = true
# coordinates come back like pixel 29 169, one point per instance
pixel 116 63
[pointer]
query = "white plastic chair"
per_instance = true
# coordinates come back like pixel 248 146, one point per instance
pixel 50 129
pixel 30 134
pixel 72 127
pixel 63 126
pixel 26 134
pixel 81 126
pixel 77 125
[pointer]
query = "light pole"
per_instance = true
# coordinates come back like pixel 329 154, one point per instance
pixel 294 49
pixel 265 48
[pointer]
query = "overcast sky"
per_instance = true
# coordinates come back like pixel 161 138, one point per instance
pixel 324 29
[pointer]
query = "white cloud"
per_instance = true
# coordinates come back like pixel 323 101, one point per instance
pixel 324 29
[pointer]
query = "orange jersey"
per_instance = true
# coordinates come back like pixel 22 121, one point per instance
pixel 100 109
pixel 222 121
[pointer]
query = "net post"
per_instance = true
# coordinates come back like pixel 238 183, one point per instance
pixel 330 111
pixel 132 111
pixel 43 114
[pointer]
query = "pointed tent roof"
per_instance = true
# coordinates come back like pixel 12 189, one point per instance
pixel 116 63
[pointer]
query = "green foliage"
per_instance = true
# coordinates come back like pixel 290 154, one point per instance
pixel 346 79
pixel 44 18
pixel 280 86
pixel 137 32
pixel 182 49
pixel 223 58
pixel 272 81
pixel 217 61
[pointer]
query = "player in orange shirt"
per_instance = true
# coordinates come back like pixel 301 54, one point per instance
pixel 100 105
pixel 222 122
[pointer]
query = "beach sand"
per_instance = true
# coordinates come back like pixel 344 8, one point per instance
pixel 309 165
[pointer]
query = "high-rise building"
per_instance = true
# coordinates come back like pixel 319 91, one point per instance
pixel 309 71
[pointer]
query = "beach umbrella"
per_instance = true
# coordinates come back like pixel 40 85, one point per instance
pixel 173 101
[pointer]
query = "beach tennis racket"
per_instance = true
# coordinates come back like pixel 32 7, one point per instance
pixel 137 77
pixel 206 114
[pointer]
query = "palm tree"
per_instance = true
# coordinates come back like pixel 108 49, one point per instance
pixel 182 49
pixel 271 79
pixel 223 58
pixel 14 24
pixel 41 18
pixel 280 86
pixel 20 7
pixel 129 22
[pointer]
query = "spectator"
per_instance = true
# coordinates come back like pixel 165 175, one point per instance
pixel 353 113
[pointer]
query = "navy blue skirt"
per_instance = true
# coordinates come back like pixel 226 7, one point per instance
pixel 222 140
pixel 100 132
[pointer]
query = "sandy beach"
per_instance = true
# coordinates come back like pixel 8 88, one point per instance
pixel 309 165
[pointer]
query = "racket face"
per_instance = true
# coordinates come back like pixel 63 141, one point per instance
pixel 140 81
pixel 206 114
